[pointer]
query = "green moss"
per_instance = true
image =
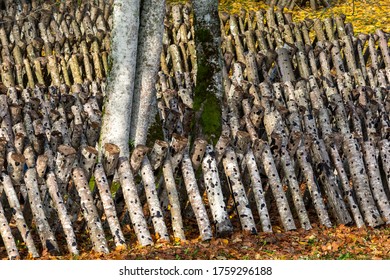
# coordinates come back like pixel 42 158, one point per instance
pixel 114 188
pixel 205 98
pixel 91 183
pixel 203 35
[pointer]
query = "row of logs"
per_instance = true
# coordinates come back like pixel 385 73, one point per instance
pixel 52 43
pixel 301 132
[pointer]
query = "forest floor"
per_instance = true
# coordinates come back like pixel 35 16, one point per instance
pixel 365 15
pixel 336 243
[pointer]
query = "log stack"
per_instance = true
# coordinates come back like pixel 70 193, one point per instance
pixel 305 129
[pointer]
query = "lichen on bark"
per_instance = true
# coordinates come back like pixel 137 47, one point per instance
pixel 208 88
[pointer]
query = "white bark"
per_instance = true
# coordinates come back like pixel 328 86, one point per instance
pixel 233 176
pixel 45 233
pixel 156 212
pixel 90 212
pixel 21 224
pixel 108 205
pixel 173 197
pixel 195 198
pixel 133 202
pixel 117 108
pixel 214 193
pixel 149 49
pixel 258 191
pixel 58 202
pixel 6 235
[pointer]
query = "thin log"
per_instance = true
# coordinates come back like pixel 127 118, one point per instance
pixel 156 212
pixel 21 224
pixel 108 205
pixel 233 175
pixel 198 152
pixel 311 185
pixel 223 226
pixel 133 203
pixel 6 235
pixel 158 153
pixel 173 197
pixel 90 212
pixel 110 158
pixel 195 199
pixel 59 205
pixel 64 160
pixel 258 191
pixel 137 157
pixel 46 235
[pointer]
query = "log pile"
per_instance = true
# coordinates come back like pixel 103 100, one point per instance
pixel 304 135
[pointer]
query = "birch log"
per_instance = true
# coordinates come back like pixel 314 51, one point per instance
pixel 233 175
pixel 89 211
pixel 6 235
pixel 133 203
pixel 17 214
pixel 258 191
pixel 374 178
pixel 173 197
pixel 315 194
pixel 59 205
pixel 46 235
pixel 293 185
pixel 277 188
pixel 156 212
pixel 360 182
pixel 195 199
pixel 108 205
pixel 223 226
pixel 345 184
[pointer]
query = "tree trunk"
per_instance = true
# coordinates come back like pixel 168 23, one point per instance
pixel 208 88
pixel 118 104
pixel 148 57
